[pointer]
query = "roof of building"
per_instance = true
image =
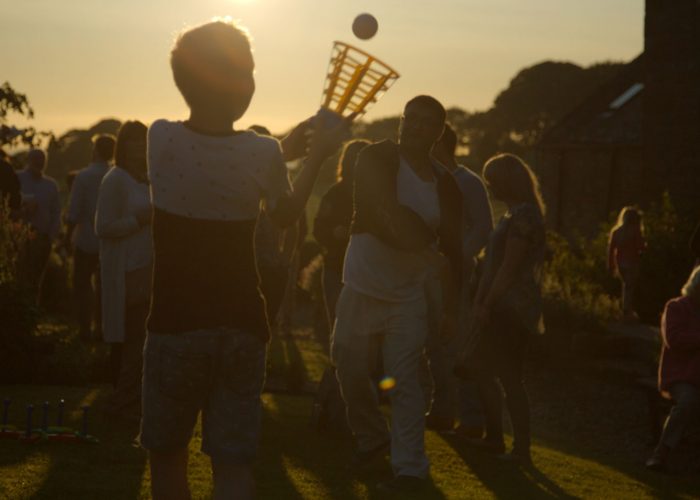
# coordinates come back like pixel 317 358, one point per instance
pixel 611 115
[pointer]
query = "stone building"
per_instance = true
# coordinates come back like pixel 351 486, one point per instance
pixel 636 136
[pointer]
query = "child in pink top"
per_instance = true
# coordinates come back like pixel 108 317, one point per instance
pixel 625 247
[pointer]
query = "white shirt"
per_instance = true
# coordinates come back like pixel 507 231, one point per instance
pixel 380 271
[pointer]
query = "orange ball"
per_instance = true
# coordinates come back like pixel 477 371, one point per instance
pixel 365 26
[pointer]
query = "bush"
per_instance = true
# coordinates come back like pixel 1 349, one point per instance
pixel 578 291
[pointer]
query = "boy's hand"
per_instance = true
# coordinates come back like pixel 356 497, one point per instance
pixel 326 140
pixel 296 143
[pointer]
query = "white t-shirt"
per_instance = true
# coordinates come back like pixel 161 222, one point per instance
pixel 213 177
pixel 380 271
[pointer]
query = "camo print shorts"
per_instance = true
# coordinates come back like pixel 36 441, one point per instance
pixel 219 372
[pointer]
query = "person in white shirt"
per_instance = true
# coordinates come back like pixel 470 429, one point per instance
pixel 123 224
pixel 407 209
pixel 80 221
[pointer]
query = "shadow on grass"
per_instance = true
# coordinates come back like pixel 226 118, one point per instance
pixel 507 480
pixel 72 470
pixel 301 463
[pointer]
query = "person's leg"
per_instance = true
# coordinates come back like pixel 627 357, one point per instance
pixel 351 351
pixel 126 399
pixel 510 372
pixel 686 408
pixel 82 290
pixel 232 415
pixel 470 414
pixel 176 375
pixel 115 362
pixel 332 284
pixel 232 481
pixel 403 345
pixel 169 475
pixel 490 393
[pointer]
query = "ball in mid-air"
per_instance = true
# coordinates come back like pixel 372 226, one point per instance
pixel 365 26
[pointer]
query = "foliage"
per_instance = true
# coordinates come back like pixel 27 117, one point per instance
pixel 578 289
pixel 575 284
pixel 666 263
pixel 13 102
pixel 536 99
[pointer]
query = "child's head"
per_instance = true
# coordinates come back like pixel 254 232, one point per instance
pixel 629 217
pixel 512 180
pixel 213 68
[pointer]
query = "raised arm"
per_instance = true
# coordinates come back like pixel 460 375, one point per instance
pixel 324 142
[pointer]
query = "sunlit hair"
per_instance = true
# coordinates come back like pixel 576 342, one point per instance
pixel 692 286
pixel 629 219
pixel 430 103
pixel 103 145
pixel 203 54
pixel 448 140
pixel 511 178
pixel 348 159
pixel 128 132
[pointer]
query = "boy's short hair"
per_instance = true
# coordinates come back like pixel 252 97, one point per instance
pixel 103 145
pixel 204 54
pixel 431 103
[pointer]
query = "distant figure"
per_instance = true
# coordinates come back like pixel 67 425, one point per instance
pixel 81 234
pixel 207 328
pixel 123 224
pixel 406 228
pixel 625 246
pixel 10 188
pixel 679 368
pixel 508 305
pixel 452 397
pixel 41 210
pixel 332 225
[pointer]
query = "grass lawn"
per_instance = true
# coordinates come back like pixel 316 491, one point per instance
pixel 589 443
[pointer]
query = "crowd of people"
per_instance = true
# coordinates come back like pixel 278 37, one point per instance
pixel 168 268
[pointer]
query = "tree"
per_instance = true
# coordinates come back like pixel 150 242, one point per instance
pixel 536 98
pixel 12 102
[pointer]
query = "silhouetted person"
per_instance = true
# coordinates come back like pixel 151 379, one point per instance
pixel 679 368
pixel 41 210
pixel 207 327
pixel 80 220
pixel 625 246
pixel 452 397
pixel 332 226
pixel 508 305
pixel 123 224
pixel 407 210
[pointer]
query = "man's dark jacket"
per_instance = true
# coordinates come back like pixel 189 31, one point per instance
pixel 377 210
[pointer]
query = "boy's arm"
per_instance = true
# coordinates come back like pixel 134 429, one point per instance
pixel 324 142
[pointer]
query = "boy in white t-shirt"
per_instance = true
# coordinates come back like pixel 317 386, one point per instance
pixel 207 329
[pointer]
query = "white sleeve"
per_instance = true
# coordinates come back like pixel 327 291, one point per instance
pixel 111 219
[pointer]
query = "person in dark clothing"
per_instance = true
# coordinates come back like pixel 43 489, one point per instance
pixel 332 225
pixel 507 307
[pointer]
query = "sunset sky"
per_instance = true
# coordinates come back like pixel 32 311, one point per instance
pixel 82 60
